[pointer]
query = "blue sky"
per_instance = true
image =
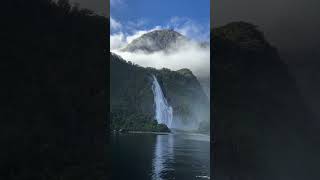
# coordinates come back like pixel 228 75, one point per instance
pixel 129 19
pixel 189 17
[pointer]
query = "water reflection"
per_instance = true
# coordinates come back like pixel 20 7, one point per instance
pixel 181 156
pixel 163 155
pixel 178 156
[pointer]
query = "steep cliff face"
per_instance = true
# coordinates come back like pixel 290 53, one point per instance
pixel 131 92
pixel 259 114
pixel 185 94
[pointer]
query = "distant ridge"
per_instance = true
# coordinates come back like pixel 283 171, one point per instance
pixel 157 40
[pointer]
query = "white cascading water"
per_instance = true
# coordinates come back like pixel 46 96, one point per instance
pixel 163 110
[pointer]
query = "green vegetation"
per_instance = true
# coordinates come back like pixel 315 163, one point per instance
pixel 136 122
pixel 132 97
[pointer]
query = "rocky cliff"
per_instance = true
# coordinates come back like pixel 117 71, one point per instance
pixel 131 93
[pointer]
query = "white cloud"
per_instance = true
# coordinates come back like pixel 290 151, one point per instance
pixel 190 28
pixel 115 2
pixel 136 24
pixel 115 25
pixel 185 26
pixel 137 34
pixel 190 56
pixel 119 40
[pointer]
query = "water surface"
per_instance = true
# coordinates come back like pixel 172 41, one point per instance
pixel 147 156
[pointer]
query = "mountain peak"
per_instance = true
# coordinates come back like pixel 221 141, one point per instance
pixel 245 36
pixel 163 34
pixel 156 40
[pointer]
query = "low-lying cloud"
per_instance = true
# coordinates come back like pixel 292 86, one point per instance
pixel 134 29
pixel 114 25
pixel 120 39
pixel 190 56
pixel 187 55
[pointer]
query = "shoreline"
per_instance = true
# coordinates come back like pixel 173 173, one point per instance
pixel 141 132
pixel 148 132
pixel 161 133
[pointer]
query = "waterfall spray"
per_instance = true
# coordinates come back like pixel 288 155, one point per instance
pixel 163 111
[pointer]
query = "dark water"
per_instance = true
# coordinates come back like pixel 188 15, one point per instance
pixel 178 156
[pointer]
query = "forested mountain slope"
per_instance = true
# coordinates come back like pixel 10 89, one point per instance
pixel 131 94
pixel 261 123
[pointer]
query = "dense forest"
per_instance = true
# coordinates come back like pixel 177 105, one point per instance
pixel 132 101
pixel 262 127
pixel 53 99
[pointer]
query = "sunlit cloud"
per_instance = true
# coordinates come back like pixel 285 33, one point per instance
pixel 188 55
pixel 119 40
pixel 190 28
pixel 115 25
pixel 116 2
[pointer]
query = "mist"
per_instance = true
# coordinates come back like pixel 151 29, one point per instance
pixel 185 54
pixel 190 56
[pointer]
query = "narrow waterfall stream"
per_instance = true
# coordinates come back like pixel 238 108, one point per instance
pixel 163 111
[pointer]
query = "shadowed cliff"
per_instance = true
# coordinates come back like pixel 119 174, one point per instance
pixel 262 128
pixel 53 100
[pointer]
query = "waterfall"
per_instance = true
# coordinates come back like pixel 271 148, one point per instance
pixel 163 111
